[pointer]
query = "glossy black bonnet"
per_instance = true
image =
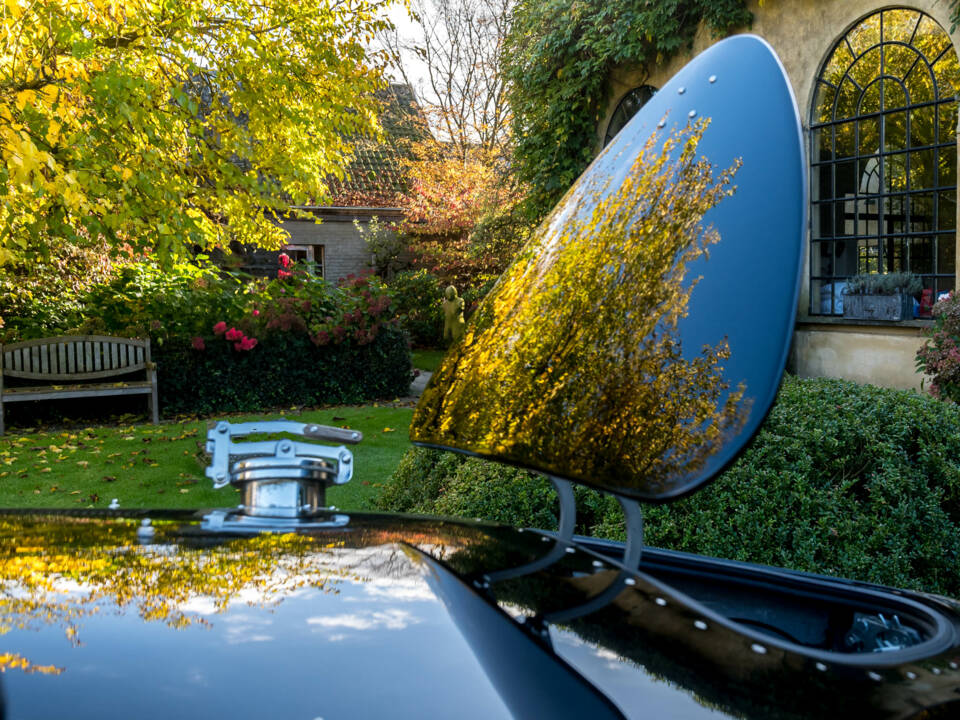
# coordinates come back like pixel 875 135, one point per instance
pixel 637 342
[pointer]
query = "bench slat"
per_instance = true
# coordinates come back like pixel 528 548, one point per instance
pixel 75 391
pixel 61 358
pixel 114 357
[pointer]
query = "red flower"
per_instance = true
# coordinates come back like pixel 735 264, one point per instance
pixel 198 344
pixel 233 334
pixel 220 328
pixel 246 343
pixel 284 274
pixel 284 260
pixel 256 312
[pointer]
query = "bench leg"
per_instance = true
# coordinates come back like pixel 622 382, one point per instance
pixel 154 410
pixel 1 417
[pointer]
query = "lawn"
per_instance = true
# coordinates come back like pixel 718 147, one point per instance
pixel 162 466
pixel 428 360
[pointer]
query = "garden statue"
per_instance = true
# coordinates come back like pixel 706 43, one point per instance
pixel 453 322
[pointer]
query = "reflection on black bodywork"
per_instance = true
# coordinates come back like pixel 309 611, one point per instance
pixel 647 628
pixel 574 364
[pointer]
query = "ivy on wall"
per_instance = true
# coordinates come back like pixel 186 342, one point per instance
pixel 558 59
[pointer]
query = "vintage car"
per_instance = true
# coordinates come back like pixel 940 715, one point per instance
pixel 635 346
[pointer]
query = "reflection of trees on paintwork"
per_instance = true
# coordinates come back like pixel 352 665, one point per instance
pixel 59 569
pixel 574 363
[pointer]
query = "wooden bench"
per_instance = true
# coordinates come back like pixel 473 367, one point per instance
pixel 73 358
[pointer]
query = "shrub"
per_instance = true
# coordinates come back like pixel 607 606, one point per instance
pixel 226 344
pixel 288 370
pixel 416 295
pixel 145 300
pixel 940 355
pixel 41 296
pixel 842 479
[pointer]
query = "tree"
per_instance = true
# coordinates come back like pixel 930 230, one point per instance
pixel 168 125
pixel 458 44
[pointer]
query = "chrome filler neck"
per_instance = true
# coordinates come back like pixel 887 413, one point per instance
pixel 282 482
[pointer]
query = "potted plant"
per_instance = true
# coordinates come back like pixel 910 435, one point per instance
pixel 881 296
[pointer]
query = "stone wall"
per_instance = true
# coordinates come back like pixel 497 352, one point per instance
pixel 803 32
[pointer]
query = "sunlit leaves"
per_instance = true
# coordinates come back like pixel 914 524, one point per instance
pixel 175 124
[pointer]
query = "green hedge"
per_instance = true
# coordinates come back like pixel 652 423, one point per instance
pixel 289 370
pixel 842 479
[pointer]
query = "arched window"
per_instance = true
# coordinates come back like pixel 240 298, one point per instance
pixel 626 109
pixel 884 156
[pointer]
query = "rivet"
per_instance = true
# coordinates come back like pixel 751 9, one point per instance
pixel 661 602
pixel 910 675
pixel 874 676
pixel 571 550
pixel 821 667
pixel 519 529
pixel 936 671
pixel 597 564
pixel 713 79
pixel 953 665
pixel 700 625
pixel 759 649
pixel 681 90
pixel 222 428
pixel 545 539
pixel 630 581
pixel 662 124
pixel 692 113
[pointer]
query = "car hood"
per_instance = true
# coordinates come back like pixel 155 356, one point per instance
pixel 271 625
pixel 384 616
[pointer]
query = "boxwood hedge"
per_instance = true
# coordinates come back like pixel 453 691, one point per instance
pixel 290 370
pixel 842 479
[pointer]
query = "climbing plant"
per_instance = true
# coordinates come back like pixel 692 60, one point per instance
pixel 558 60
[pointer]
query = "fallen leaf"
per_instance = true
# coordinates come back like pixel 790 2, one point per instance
pixel 388 429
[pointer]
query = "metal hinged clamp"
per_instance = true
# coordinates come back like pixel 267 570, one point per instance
pixel 282 482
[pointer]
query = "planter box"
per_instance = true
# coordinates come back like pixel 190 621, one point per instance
pixel 878 307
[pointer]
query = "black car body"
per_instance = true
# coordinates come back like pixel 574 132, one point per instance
pixel 622 351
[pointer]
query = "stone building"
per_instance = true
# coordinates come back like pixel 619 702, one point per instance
pixel 877 90
pixel 336 246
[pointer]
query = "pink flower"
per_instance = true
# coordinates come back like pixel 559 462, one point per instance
pixel 220 328
pixel 284 274
pixel 256 312
pixel 233 334
pixel 284 260
pixel 246 343
pixel 198 343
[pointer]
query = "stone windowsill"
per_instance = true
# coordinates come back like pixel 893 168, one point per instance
pixel 804 320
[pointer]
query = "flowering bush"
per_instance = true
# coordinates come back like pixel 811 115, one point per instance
pixel 940 355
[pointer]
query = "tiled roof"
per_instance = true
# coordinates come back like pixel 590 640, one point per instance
pixel 375 177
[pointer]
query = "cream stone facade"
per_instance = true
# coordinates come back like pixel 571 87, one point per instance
pixel 803 33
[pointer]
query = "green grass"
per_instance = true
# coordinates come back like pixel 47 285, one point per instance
pixel 428 360
pixel 147 466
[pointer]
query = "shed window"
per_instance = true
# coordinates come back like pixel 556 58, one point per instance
pixel 884 156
